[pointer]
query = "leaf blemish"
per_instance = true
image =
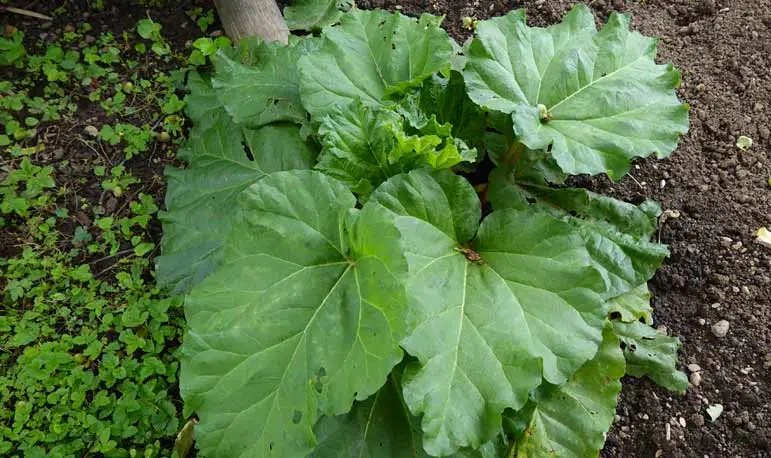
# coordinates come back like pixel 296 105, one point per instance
pixel 297 416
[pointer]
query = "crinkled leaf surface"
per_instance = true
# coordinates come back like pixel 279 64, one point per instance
pixel 263 85
pixel 363 146
pixel 304 316
pixel 200 199
pixel 445 100
pixel 632 306
pixel 649 352
pixel 315 14
pixel 616 233
pixel 598 98
pixel 487 325
pixel 370 55
pixel 570 420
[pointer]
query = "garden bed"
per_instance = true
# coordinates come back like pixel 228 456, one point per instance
pixel 716 270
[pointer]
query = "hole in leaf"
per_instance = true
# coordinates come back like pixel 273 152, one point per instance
pixel 247 151
pixel 270 446
pixel 615 316
pixel 297 416
pixel 623 345
pixel 633 348
pixel 322 372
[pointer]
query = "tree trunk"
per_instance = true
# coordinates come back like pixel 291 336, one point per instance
pixel 243 18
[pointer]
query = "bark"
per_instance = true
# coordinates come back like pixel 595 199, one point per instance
pixel 243 18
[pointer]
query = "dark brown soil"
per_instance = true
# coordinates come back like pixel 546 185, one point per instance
pixel 723 49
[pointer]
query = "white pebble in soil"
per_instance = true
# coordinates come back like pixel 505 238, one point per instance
pixel 720 329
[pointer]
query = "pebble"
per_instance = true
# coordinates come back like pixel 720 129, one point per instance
pixel 695 378
pixel 720 329
pixel 697 419
pixel 764 132
pixel 694 368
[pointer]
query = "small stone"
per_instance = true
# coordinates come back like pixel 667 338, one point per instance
pixel 645 417
pixel 737 246
pixel 682 422
pixel 697 419
pixel 764 132
pixel 702 321
pixel 716 305
pixel 694 368
pixel 92 131
pixel 720 329
pixel 695 379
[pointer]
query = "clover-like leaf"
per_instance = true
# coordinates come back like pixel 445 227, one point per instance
pixel 570 420
pixel 489 317
pixel 304 316
pixel 617 234
pixel 649 352
pixel 371 55
pixel 363 146
pixel 596 99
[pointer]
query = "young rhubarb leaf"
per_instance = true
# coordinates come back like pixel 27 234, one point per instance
pixel 265 88
pixel 304 317
pixel 444 101
pixel 489 317
pixel 570 420
pixel 597 99
pixel 370 55
pixel 363 146
pixel 649 352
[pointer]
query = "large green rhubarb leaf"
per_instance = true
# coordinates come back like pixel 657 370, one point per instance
pixel 570 420
pixel 259 83
pixel 617 234
pixel 315 14
pixel 383 427
pixel 491 314
pixel 649 352
pixel 363 146
pixel 596 99
pixel 304 316
pixel 200 198
pixel 370 55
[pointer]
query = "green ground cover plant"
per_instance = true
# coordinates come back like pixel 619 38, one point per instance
pixel 380 251
pixel 88 342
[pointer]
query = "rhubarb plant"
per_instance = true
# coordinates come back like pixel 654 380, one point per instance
pixel 379 252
